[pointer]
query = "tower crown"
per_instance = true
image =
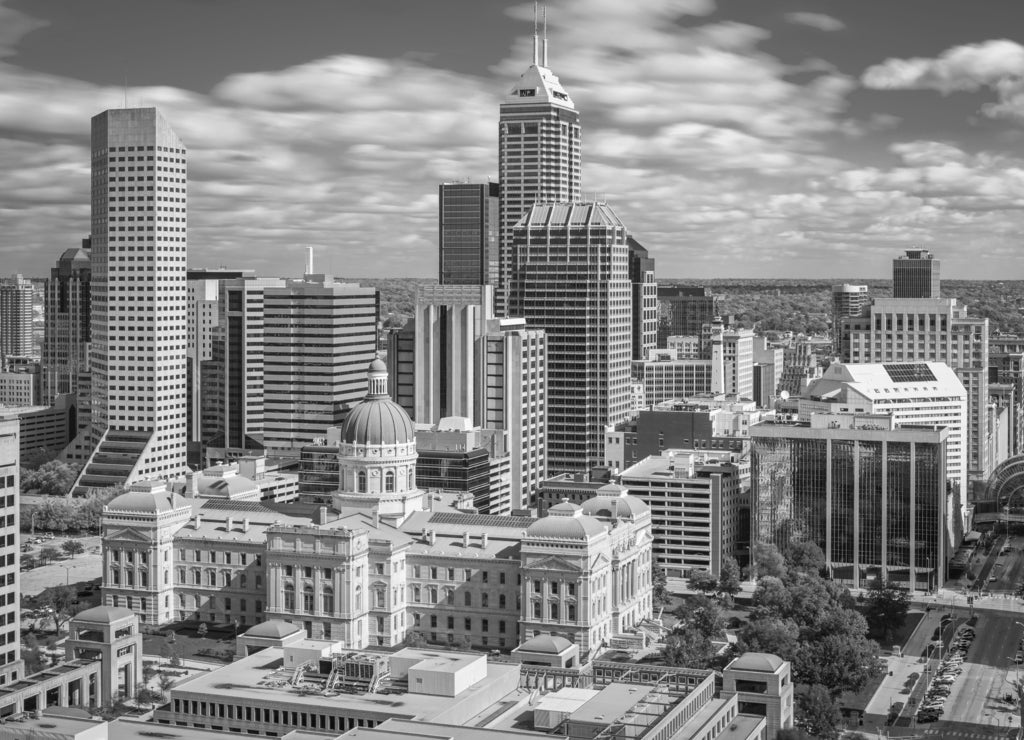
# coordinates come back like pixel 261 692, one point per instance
pixel 539 85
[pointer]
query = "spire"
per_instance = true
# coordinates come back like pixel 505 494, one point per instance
pixel 544 52
pixel 536 42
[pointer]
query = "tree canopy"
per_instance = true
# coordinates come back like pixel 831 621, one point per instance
pixel 886 606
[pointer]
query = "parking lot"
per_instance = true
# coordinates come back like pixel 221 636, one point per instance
pixel 972 682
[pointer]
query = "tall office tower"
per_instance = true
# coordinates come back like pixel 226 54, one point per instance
pixel 455 455
pixel 769 362
pixel 514 380
pixel 914 393
pixel 66 324
pixel 137 355
pixel 203 309
pixel 916 275
pixel 732 360
pixel 688 308
pixel 847 300
pixel 869 494
pixel 10 563
pixel 932 330
pixel 467 237
pixel 570 278
pixel 291 358
pixel 450 319
pixel 645 300
pixel 401 362
pixel 538 153
pixel 15 318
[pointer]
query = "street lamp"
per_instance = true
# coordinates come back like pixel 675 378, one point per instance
pixel 67 575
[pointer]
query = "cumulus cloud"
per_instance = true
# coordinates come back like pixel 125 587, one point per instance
pixel 820 21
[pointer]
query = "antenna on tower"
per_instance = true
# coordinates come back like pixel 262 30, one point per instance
pixel 544 53
pixel 309 260
pixel 536 54
pixel 126 91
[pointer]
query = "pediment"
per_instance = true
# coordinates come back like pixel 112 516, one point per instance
pixel 553 562
pixel 599 560
pixel 129 534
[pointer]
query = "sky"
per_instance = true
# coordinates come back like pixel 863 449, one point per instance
pixel 735 138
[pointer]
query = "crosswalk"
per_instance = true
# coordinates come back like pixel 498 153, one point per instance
pixel 964 734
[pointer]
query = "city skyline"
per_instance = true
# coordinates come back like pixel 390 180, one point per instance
pixel 737 139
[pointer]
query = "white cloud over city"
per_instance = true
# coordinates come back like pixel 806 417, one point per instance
pixel 722 157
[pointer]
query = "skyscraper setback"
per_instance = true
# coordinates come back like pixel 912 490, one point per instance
pixel 137 356
pixel 538 152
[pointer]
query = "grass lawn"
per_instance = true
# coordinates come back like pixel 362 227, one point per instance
pixel 215 645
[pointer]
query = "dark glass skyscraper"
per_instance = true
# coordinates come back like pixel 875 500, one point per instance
pixel 467 236
pixel 916 275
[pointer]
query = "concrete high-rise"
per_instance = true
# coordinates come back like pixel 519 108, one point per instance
pixel 570 277
pixel 645 300
pixel 67 325
pixel 10 562
pixel 290 355
pixel 688 309
pixel 538 153
pixel 450 319
pixel 15 318
pixel 847 300
pixel 467 237
pixel 139 327
pixel 513 376
pixel 916 275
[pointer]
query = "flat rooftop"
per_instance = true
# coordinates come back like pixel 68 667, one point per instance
pixel 614 701
pixel 400 729
pixel 263 678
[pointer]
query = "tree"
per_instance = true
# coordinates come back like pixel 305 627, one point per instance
pixel 687 647
pixel 702 580
pixel 165 681
pixel 771 635
pixel 792 733
pixel 415 639
pixel 806 557
pixel 659 584
pixel 145 696
pixel 203 629
pixel 839 662
pixel 702 614
pixel 768 561
pixel 818 713
pixel 729 578
pixel 53 478
pixel 63 601
pixel 886 608
pixel 48 555
pixel 73 547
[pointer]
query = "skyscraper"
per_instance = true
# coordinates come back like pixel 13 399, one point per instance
pixel 290 356
pixel 847 300
pixel 10 570
pixel 645 300
pixel 67 324
pixel 538 152
pixel 688 309
pixel 137 356
pixel 467 237
pixel 570 278
pixel 15 317
pixel 916 275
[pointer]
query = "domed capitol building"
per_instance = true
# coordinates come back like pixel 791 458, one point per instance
pixel 384 559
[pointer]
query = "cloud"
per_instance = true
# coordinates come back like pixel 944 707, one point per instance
pixel 969 67
pixel 820 21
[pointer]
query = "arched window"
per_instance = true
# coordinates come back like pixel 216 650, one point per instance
pixel 359 598
pixel 361 481
pixel 389 482
pixel 449 596
pixel 412 479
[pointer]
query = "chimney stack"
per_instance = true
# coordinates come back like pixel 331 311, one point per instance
pixel 193 483
pixel 230 525
pixel 199 520
pixel 431 537
pixel 483 541
pixel 465 539
pixel 245 524
pixel 321 515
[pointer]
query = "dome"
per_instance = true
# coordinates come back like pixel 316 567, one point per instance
pixel 220 486
pixel 565 528
pixel 143 502
pixel 377 420
pixel 104 614
pixel 764 662
pixel 616 504
pixel 273 629
pixel 566 508
pixel 547 644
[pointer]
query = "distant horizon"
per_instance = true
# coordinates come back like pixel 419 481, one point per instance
pixel 731 137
